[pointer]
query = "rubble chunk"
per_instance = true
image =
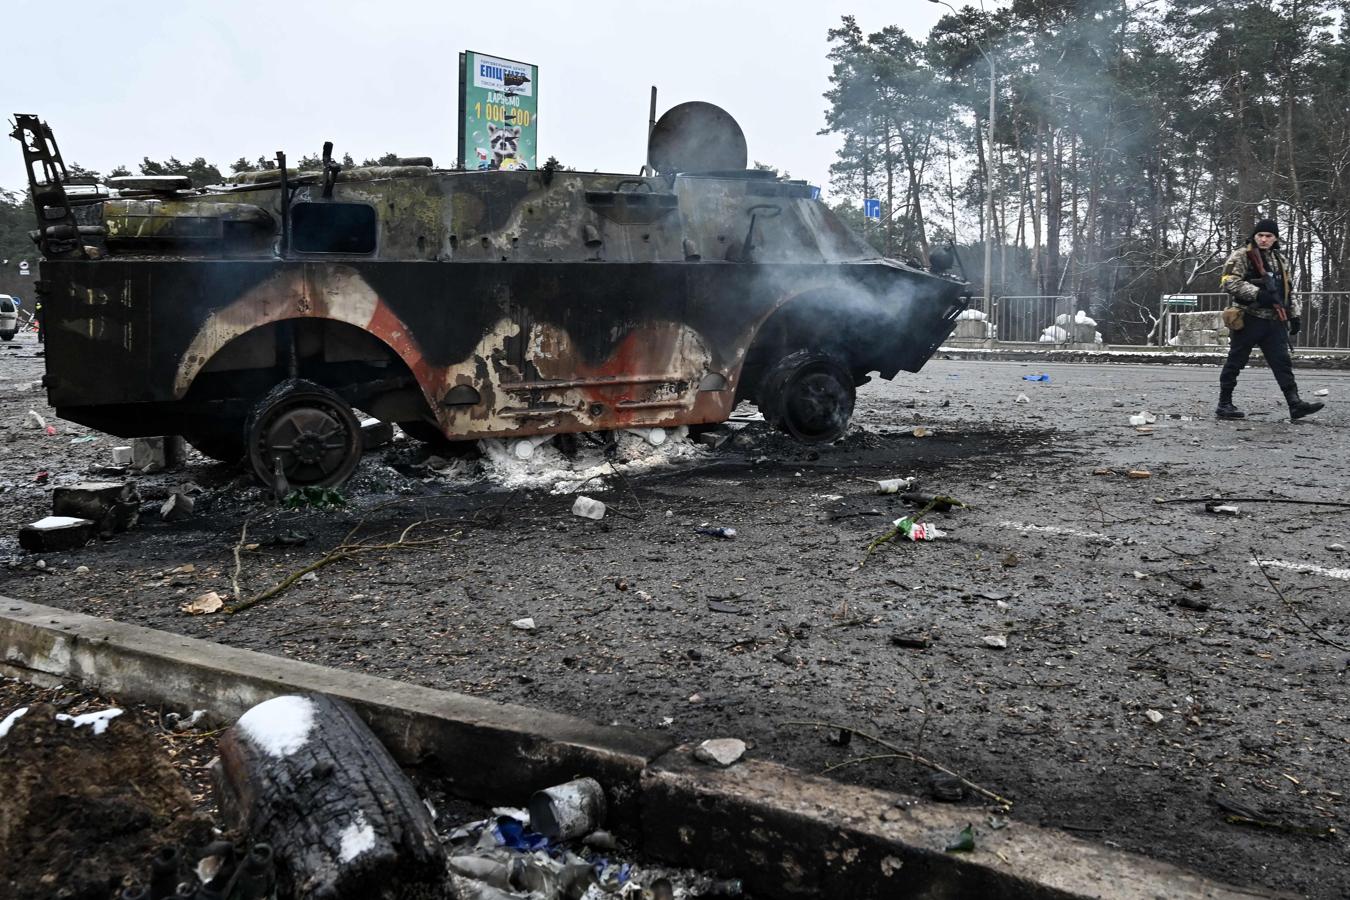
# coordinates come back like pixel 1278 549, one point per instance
pixel 55 533
pixel 111 505
pixel 722 752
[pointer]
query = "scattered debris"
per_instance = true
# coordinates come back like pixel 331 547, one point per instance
pixel 1322 392
pixel 375 434
pixel 1036 378
pixel 55 533
pixel 568 811
pixel 1336 548
pixel 895 485
pixel 588 508
pixel 1138 473
pixel 717 531
pixel 1143 417
pixel 526 624
pixel 1153 716
pixel 920 432
pixel 965 841
pixel 36 420
pixel 121 456
pixel 946 788
pixel 918 531
pixel 111 505
pixel 177 508
pixel 997 641
pixel 920 641
pixel 1022 398
pixel 721 752
pixel 1221 509
pixel 933 502
pixel 1187 602
pixel 206 604
pixel 721 606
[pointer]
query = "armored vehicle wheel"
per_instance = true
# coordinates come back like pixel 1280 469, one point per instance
pixel 310 430
pixel 225 445
pixel 809 395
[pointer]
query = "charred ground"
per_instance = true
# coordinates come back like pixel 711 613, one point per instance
pixel 1132 606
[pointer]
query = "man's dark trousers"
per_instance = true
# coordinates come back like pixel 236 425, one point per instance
pixel 1273 338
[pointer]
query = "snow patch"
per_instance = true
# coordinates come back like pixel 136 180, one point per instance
pixel 1308 568
pixel 280 726
pixel 10 719
pixel 99 720
pixel 57 522
pixel 357 838
pixel 1055 529
pixel 548 468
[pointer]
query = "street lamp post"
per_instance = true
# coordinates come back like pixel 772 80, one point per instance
pixel 988 173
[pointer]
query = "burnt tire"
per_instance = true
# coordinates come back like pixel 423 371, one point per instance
pixel 310 430
pixel 808 395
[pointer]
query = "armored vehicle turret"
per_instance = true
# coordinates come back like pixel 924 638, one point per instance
pixel 253 317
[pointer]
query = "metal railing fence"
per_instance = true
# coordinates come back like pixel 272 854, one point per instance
pixel 1325 319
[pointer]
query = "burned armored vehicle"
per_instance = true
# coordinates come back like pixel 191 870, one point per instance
pixel 253 317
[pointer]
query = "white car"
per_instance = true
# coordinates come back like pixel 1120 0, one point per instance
pixel 9 317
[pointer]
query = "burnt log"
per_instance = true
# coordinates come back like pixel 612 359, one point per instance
pixel 306 775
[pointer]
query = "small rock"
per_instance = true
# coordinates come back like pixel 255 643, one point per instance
pixel 997 641
pixel 526 624
pixel 720 751
pixel 177 508
pixel 1336 548
pixel 81 570
pixel 912 641
pixel 1022 398
pixel 1321 393
pixel 310 577
pixel 946 788
pixel 588 508
pixel 1153 716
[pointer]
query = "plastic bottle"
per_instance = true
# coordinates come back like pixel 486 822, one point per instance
pixel 894 485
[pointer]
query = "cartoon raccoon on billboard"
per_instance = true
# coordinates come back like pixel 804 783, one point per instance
pixel 498 110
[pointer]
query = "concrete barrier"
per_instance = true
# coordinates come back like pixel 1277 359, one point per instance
pixel 785 833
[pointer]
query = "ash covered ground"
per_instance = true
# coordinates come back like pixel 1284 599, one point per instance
pixel 1155 693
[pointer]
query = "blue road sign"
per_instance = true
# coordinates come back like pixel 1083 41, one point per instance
pixel 815 192
pixel 872 208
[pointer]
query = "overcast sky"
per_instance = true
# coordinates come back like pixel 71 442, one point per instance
pixel 118 82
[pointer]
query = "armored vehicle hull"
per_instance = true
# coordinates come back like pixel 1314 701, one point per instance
pixel 255 316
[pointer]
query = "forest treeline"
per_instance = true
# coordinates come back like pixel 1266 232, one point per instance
pixel 1135 143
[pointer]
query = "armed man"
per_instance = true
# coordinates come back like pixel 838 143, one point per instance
pixel 1265 314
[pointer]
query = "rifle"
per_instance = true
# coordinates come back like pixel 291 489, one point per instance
pixel 1254 257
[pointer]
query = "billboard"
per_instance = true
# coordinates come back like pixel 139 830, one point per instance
pixel 498 112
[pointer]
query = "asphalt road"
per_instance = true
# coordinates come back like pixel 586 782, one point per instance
pixel 1156 691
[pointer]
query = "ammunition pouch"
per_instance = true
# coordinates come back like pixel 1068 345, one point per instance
pixel 1233 318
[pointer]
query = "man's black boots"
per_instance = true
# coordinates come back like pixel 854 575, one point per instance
pixel 1298 408
pixel 1226 409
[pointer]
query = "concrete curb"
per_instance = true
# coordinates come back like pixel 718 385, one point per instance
pixel 786 834
pixel 1303 359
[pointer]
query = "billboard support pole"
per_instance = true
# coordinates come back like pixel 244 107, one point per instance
pixel 463 161
pixel 651 126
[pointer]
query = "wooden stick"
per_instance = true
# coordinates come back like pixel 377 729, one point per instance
pixel 1341 503
pixel 901 753
pixel 1293 609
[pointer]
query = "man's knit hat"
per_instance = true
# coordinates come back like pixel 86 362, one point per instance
pixel 1266 225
